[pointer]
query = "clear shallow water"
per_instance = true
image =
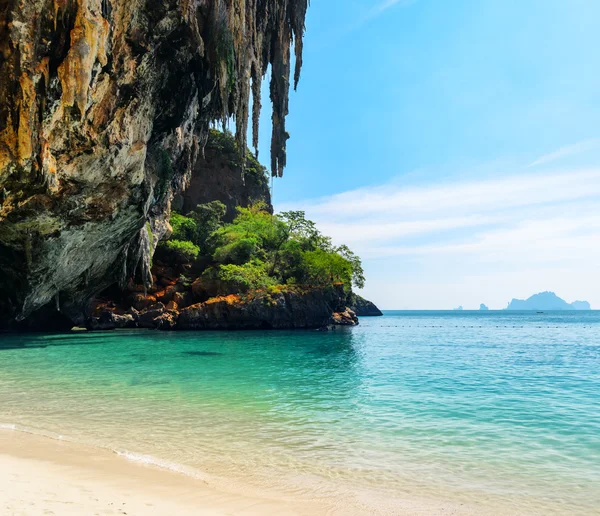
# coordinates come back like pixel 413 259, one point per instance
pixel 498 407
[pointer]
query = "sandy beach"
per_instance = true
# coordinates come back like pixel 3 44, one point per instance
pixel 44 476
pixel 40 476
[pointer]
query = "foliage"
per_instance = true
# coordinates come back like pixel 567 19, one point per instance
pixel 181 251
pixel 236 252
pixel 184 228
pixel 358 274
pixel 250 275
pixel 255 223
pixel 323 268
pixel 259 250
pixel 198 226
pixel 207 218
pixel 291 247
pixel 225 142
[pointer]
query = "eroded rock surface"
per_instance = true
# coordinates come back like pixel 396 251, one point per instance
pixel 104 108
pixel 182 305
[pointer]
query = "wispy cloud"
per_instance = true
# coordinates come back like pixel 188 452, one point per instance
pixel 374 13
pixel 567 150
pixel 516 213
pixel 467 242
pixel 387 4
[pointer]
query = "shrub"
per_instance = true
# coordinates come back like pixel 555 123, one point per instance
pixel 255 222
pixel 180 251
pixel 251 275
pixel 184 228
pixel 208 218
pixel 237 252
pixel 323 268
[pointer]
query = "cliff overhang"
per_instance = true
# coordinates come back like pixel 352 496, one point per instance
pixel 105 107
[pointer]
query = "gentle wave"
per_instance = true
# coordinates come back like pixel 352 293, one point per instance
pixel 138 458
pixel 34 431
pixel 150 460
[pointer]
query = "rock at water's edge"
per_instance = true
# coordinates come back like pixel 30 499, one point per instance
pixel 290 309
pixel 361 307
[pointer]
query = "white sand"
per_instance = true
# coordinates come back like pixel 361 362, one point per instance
pixel 40 476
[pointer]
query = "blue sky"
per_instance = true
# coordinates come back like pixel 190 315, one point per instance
pixel 454 145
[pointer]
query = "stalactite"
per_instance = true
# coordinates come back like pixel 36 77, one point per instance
pixel 248 37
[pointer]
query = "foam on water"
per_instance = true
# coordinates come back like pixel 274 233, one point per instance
pixel 149 460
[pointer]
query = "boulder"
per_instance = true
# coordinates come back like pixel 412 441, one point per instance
pixel 166 295
pixel 166 321
pixel 111 321
pixel 147 318
pixel 205 288
pixel 141 301
pixel 345 318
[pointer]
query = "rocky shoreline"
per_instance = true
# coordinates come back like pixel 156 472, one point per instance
pixel 175 303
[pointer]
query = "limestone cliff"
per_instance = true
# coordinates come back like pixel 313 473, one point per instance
pixel 105 107
pixel 217 175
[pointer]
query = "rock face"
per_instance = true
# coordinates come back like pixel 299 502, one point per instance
pixel 285 310
pixel 363 308
pixel 104 108
pixel 344 318
pixel 175 302
pixel 218 175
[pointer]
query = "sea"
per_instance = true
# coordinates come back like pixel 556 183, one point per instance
pixel 498 410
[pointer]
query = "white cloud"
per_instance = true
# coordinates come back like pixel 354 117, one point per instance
pixel 568 150
pixel 521 231
pixel 461 197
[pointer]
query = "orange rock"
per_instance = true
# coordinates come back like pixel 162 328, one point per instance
pixel 165 281
pixel 140 301
pixel 167 294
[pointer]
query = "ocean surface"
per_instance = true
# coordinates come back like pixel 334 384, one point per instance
pixel 500 409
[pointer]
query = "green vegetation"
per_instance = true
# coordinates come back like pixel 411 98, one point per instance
pixel 225 142
pixel 259 250
pixel 181 251
pixel 249 276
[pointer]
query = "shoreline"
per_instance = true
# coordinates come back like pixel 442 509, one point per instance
pixel 42 475
pixel 47 475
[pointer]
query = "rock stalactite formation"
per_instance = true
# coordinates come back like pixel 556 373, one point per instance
pixel 105 106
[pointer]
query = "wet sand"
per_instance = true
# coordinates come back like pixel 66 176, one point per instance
pixel 44 476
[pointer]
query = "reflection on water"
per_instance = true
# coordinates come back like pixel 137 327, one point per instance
pixel 503 405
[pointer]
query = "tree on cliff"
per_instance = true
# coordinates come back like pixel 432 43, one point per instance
pixel 259 249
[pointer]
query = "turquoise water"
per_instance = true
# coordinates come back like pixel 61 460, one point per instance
pixel 498 408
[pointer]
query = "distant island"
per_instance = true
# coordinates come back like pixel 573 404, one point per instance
pixel 459 309
pixel 546 301
pixel 581 305
pixel 483 307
